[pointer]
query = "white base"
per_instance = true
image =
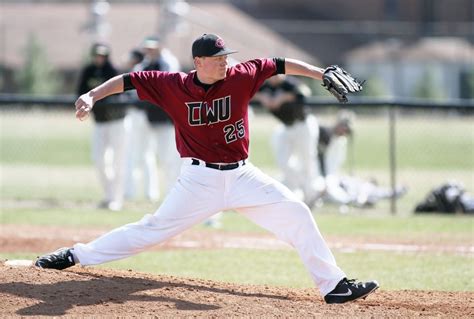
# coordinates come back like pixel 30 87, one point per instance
pixel 19 263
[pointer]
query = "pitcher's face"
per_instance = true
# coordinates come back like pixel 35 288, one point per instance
pixel 211 69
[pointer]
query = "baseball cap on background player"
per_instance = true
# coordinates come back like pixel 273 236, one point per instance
pixel 151 42
pixel 100 49
pixel 136 55
pixel 210 45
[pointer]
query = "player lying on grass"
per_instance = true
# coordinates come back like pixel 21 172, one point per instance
pixel 209 107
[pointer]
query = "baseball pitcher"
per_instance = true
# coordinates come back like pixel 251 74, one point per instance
pixel 209 107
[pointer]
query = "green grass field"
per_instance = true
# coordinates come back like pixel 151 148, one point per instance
pixel 457 228
pixel 283 268
pixel 395 270
pixel 47 178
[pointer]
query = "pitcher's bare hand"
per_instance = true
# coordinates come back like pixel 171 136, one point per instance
pixel 84 105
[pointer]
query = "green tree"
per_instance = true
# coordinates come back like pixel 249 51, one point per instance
pixel 374 87
pixel 467 84
pixel 37 76
pixel 427 88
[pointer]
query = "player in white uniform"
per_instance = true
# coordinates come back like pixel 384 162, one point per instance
pixel 209 107
pixel 294 141
pixel 342 188
pixel 152 135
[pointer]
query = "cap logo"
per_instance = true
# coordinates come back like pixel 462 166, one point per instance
pixel 220 43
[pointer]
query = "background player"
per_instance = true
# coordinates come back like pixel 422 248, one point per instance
pixel 294 141
pixel 209 107
pixel 347 189
pixel 108 147
pixel 152 132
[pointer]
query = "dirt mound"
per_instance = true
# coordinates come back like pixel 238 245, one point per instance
pixel 79 292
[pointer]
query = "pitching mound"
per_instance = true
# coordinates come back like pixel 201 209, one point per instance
pixel 29 291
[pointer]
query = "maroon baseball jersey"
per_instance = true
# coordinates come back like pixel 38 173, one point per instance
pixel 210 125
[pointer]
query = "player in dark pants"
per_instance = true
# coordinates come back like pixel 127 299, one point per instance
pixel 209 107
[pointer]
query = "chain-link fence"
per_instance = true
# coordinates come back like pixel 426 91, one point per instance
pixel 45 153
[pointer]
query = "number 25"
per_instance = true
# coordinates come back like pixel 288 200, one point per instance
pixel 233 132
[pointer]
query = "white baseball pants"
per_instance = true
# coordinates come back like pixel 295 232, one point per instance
pixel 201 192
pixel 335 155
pixel 295 148
pixel 147 143
pixel 108 153
pixel 334 159
pixel 136 169
pixel 162 147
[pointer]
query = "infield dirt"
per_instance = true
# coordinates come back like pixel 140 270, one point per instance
pixel 80 292
pixel 93 292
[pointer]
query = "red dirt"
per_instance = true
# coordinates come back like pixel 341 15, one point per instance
pixel 79 292
pixel 88 291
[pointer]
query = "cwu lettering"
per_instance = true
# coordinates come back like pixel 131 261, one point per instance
pixel 201 113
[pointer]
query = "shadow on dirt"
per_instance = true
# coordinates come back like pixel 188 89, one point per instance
pixel 56 298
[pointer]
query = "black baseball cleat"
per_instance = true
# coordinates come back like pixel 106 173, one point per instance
pixel 60 259
pixel 350 290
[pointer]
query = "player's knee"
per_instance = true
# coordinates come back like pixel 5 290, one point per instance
pixel 301 226
pixel 301 206
pixel 300 210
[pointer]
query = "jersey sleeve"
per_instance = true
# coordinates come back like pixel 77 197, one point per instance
pixel 257 71
pixel 150 85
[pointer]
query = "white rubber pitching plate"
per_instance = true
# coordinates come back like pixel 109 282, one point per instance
pixel 19 263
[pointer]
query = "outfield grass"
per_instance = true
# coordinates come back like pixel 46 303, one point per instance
pixel 45 138
pixel 437 227
pixel 60 150
pixel 427 143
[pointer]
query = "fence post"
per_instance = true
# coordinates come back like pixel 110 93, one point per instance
pixel 393 157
